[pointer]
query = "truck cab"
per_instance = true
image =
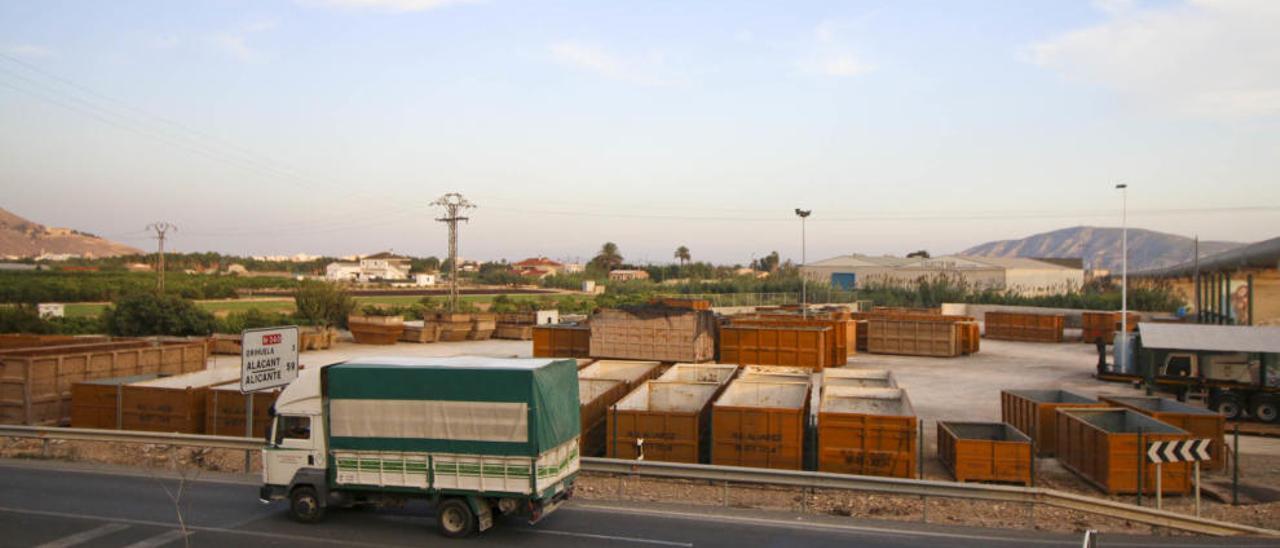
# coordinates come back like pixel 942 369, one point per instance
pixel 475 436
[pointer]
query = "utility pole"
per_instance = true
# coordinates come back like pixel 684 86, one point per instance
pixel 452 204
pixel 804 282
pixel 160 228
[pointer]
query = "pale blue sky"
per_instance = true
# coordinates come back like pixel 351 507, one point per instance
pixel 327 126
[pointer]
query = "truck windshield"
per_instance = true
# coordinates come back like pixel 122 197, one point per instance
pixel 292 428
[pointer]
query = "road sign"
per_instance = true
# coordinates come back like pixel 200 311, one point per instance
pixel 268 358
pixel 1160 452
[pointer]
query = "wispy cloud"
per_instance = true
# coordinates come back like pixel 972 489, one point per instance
pixel 31 51
pixel 644 70
pixel 235 42
pixel 829 53
pixel 1199 57
pixel 388 5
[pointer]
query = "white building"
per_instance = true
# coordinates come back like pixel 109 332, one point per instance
pixel 342 272
pixel 381 266
pixel 1020 275
pixel 424 279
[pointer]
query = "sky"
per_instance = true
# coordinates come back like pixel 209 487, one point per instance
pixel 329 126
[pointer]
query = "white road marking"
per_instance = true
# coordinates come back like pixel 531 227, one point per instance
pixel 611 537
pixel 816 525
pixel 84 536
pixel 158 540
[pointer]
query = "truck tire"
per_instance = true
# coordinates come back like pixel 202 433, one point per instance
pixel 304 505
pixel 456 518
pixel 1265 408
pixel 1230 406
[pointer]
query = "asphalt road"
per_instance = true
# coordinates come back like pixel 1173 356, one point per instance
pixel 60 504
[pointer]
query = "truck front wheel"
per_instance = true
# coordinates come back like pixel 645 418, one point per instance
pixel 304 505
pixel 456 518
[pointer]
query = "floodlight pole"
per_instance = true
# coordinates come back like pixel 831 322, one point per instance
pixel 804 258
pixel 1124 272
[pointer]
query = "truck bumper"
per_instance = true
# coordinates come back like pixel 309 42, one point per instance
pixel 542 508
pixel 268 493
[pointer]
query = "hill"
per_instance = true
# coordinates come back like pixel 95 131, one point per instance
pixel 1100 247
pixel 22 238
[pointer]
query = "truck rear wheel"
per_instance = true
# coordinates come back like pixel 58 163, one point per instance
pixel 1265 408
pixel 456 518
pixel 1230 406
pixel 304 505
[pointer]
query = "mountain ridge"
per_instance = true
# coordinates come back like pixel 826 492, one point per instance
pixel 20 237
pixel 1099 247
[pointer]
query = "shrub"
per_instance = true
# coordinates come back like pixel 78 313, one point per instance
pixel 148 313
pixel 323 304
pixel 22 319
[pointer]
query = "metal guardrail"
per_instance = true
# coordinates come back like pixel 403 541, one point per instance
pixel 741 475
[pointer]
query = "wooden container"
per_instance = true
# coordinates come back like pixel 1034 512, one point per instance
pixel 513 332
pixel 595 396
pixel 1201 423
pixel 971 337
pixel 779 344
pixel 452 326
pixel 35 383
pixel 841 342
pixel 913 338
pixel 1103 325
pixel 225 411
pixel 631 373
pixel 776 373
pixel 761 424
pixel 316 338
pixel 375 329
pixel 654 333
pixel 482 326
pixel 227 344
pixel 862 331
pixel 561 341
pixel 985 451
pixel 419 331
pixel 1102 447
pixel 868 431
pixel 700 372
pixel 1033 412
pixel 1018 326
pixel 663 421
pixel 857 377
pixel 20 340
pixel 93 403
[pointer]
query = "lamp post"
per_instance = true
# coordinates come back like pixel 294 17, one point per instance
pixel 1124 272
pixel 804 282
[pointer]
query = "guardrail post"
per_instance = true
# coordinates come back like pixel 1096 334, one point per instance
pixel 724 494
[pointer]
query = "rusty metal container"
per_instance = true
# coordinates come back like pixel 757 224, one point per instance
pixel 700 372
pixel 172 404
pixel 1019 326
pixel 1103 325
pixel 971 337
pixel 375 329
pixel 227 344
pixel 420 331
pixel 1034 413
pixel 841 343
pixel 760 423
pixel 1201 423
pixel 985 451
pixel 20 340
pixel 857 377
pixel 224 411
pixel 35 383
pixel 862 331
pixel 561 341
pixel 1102 447
pixel 633 373
pixel 779 344
pixel 653 333
pixel 775 373
pixel 869 431
pixel 913 337
pixel 663 421
pixel 514 332
pixel 452 326
pixel 482 326
pixel 94 403
pixel 595 396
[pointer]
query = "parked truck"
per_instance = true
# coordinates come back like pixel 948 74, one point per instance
pixel 477 437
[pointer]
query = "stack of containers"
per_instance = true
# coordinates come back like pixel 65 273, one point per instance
pixel 667 419
pixel 867 431
pixel 600 385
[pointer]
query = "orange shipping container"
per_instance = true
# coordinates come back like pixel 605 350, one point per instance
pixel 1034 413
pixel 1017 326
pixel 595 396
pixel 1103 325
pixel 788 345
pixel 93 403
pixel 654 333
pixel 760 424
pixel 561 341
pixel 224 411
pixel 1201 423
pixel 869 431
pixel 841 345
pixel 913 338
pixel 663 421
pixel 856 377
pixel 1102 447
pixel 631 373
pixel 985 451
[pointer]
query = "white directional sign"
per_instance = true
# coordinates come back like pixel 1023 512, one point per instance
pixel 1178 451
pixel 268 358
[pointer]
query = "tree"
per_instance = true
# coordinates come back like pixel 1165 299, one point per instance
pixel 322 303
pixel 921 253
pixel 682 255
pixel 768 263
pixel 147 313
pixel 608 259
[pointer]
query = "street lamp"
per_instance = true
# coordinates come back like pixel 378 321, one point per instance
pixel 804 282
pixel 1124 273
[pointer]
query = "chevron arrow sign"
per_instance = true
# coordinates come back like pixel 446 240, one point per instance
pixel 1178 451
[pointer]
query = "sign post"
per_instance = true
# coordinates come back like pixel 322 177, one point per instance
pixel 268 359
pixel 1193 451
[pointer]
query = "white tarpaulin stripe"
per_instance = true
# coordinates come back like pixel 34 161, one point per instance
pixel 430 419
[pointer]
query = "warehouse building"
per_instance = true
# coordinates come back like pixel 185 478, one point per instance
pixel 1236 287
pixel 1020 275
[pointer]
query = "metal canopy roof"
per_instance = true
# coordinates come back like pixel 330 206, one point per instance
pixel 1264 254
pixel 1214 338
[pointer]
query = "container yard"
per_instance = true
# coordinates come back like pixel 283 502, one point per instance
pixel 1034 412
pixel 985 451
pixel 760 423
pixel 870 431
pixel 1106 447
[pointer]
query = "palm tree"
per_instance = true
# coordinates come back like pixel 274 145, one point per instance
pixel 608 258
pixel 682 255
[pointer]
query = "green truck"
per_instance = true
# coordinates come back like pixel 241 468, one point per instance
pixel 475 436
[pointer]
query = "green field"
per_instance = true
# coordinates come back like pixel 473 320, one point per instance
pixel 285 305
